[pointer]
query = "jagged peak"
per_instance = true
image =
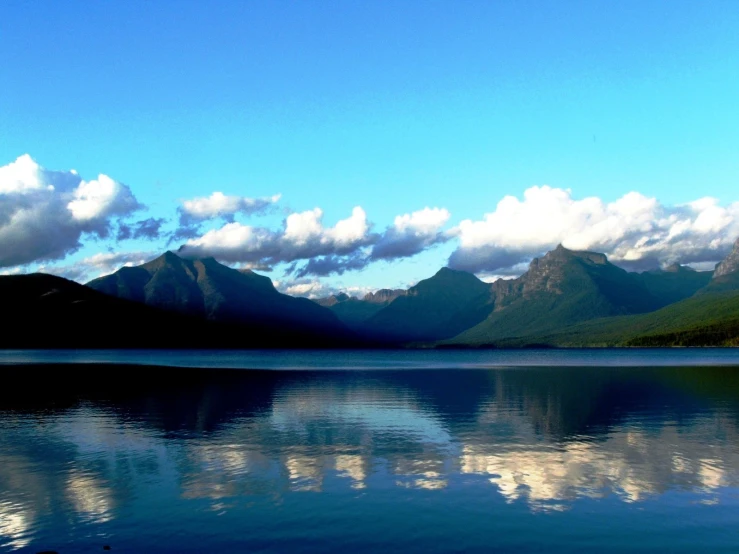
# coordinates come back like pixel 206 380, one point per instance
pixel 384 295
pixel 560 253
pixel 677 268
pixel 169 256
pixel 730 264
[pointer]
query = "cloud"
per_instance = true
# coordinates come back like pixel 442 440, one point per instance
pixel 411 234
pixel 347 246
pixel 331 265
pixel 44 214
pixel 635 231
pixel 195 211
pixel 149 229
pixel 97 265
pixel 305 288
pixel 313 288
pixel 219 205
pixel 303 237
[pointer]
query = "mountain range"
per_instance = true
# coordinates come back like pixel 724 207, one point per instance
pixel 566 298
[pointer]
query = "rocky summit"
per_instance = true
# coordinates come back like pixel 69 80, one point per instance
pixel 730 264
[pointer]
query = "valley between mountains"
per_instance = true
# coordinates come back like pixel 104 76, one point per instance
pixel 565 299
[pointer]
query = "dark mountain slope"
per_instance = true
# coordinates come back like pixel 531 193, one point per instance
pixel 436 308
pixel 208 289
pixel 354 312
pixel 726 275
pixel 674 283
pixel 710 317
pixel 563 288
pixel 45 311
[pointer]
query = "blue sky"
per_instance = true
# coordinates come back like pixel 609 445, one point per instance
pixel 393 107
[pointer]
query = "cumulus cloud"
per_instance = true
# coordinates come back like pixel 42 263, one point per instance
pixel 313 288
pixel 303 237
pixel 635 231
pixel 44 214
pixel 412 233
pixel 97 265
pixel 347 246
pixel 331 265
pixel 148 229
pixel 193 212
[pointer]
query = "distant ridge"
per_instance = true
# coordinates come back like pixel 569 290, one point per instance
pixel 209 290
pixel 566 287
pixel 436 308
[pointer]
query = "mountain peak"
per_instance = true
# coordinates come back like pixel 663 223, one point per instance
pixel 730 264
pixel 561 255
pixel 383 296
pixel 168 256
pixel 676 268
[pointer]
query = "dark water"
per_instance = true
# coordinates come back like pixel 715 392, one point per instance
pixel 543 458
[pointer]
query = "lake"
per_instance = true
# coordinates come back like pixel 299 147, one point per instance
pixel 453 451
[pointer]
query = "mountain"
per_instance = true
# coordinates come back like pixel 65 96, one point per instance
pixel 354 312
pixel 709 317
pixel 563 288
pixel 436 308
pixel 206 289
pixel 46 311
pixel 674 283
pixel 730 264
pixel 726 274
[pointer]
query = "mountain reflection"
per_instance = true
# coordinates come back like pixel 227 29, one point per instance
pixel 543 437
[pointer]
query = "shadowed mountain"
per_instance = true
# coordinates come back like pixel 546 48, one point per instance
pixel 674 283
pixel 207 289
pixel 710 317
pixel 726 274
pixel 563 288
pixel 46 311
pixel 436 308
pixel 354 312
pixel 51 312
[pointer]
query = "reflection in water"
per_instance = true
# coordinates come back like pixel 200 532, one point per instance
pixel 540 438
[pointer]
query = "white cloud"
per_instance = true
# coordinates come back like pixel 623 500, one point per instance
pixel 44 214
pixel 22 175
pixel 101 198
pixel 97 265
pixel 348 245
pixel 635 231
pixel 412 233
pixel 314 288
pixel 303 237
pixel 219 205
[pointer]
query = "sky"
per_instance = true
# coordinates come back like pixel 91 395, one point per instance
pixel 360 145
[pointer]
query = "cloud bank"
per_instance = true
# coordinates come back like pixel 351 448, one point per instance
pixel 635 231
pixel 348 245
pixel 192 213
pixel 45 214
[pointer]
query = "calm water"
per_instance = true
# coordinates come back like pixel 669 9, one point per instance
pixel 485 457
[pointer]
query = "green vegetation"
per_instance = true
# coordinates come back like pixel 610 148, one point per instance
pixel 710 319
pixel 436 308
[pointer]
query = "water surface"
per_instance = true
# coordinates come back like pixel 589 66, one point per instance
pixel 541 458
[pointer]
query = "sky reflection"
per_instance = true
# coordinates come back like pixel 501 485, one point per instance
pixel 543 440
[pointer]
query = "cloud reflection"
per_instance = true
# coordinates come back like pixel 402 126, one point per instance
pixel 514 435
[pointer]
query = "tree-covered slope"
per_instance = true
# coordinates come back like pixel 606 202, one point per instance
pixel 435 308
pixel 710 319
pixel 561 289
pixel 208 289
